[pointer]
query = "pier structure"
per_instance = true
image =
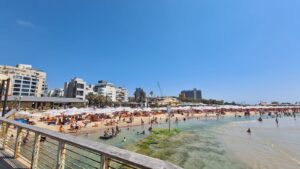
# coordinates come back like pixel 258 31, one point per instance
pixel 27 146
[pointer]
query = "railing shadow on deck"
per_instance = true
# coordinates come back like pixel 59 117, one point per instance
pixel 7 161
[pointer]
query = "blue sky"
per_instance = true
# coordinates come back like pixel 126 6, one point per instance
pixel 246 51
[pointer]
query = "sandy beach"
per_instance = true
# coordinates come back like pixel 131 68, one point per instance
pixel 83 121
pixel 97 126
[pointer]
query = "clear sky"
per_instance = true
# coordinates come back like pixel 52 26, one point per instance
pixel 236 50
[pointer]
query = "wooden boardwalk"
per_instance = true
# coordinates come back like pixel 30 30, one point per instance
pixel 8 162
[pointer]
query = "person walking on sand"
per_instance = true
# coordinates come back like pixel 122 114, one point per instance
pixel 142 121
pixel 61 129
pixel 276 120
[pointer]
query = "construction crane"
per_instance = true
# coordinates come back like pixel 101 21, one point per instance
pixel 160 91
pixel 168 108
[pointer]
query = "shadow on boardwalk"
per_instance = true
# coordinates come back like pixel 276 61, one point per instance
pixel 8 162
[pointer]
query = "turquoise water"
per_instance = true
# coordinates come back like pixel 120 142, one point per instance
pixel 224 143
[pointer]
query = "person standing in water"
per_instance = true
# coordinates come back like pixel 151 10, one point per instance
pixel 276 120
pixel 294 114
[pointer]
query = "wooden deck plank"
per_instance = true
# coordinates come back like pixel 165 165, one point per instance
pixel 8 162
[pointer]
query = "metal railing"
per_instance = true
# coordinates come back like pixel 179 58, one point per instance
pixel 41 148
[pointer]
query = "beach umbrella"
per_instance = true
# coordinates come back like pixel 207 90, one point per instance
pixel 52 113
pixel 24 113
pixel 70 112
pixel 36 115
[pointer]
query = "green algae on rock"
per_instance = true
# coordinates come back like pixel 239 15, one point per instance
pixel 157 144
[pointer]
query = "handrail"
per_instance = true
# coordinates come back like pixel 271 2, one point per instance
pixel 108 151
pixel 10 113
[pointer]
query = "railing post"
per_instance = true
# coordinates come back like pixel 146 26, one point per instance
pixel 18 142
pixel 61 155
pixel 36 150
pixel 5 127
pixel 104 162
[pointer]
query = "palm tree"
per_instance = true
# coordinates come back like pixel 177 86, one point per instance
pixel 99 101
pixel 139 95
pixel 91 99
pixel 107 101
pixel 151 93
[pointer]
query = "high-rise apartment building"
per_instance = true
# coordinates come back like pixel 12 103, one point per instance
pixel 25 81
pixel 56 93
pixel 75 88
pixel 192 94
pixel 104 88
pixel 121 94
pixel 90 89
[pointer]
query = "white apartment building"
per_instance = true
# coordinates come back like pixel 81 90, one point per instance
pixel 90 89
pixel 25 81
pixel 104 88
pixel 56 93
pixel 75 88
pixel 121 94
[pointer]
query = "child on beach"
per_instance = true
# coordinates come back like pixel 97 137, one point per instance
pixel 61 129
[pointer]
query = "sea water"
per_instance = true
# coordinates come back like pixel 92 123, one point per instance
pixel 223 143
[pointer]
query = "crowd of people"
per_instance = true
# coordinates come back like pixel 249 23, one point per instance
pixel 75 123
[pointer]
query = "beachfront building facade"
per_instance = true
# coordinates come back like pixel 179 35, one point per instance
pixel 116 94
pixel 25 81
pixel 106 89
pixel 75 88
pixel 43 103
pixel 90 89
pixel 121 94
pixel 58 92
pixel 166 101
pixel 192 94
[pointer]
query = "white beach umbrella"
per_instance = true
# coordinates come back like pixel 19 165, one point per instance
pixel 71 112
pixel 24 113
pixel 35 115
pixel 147 109
pixel 52 113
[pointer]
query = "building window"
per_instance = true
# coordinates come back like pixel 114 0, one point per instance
pixel 16 89
pixel 25 86
pixel 26 82
pixel 80 93
pixel 81 86
pixel 25 90
pixel 17 85
pixel 18 77
pixel 26 78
